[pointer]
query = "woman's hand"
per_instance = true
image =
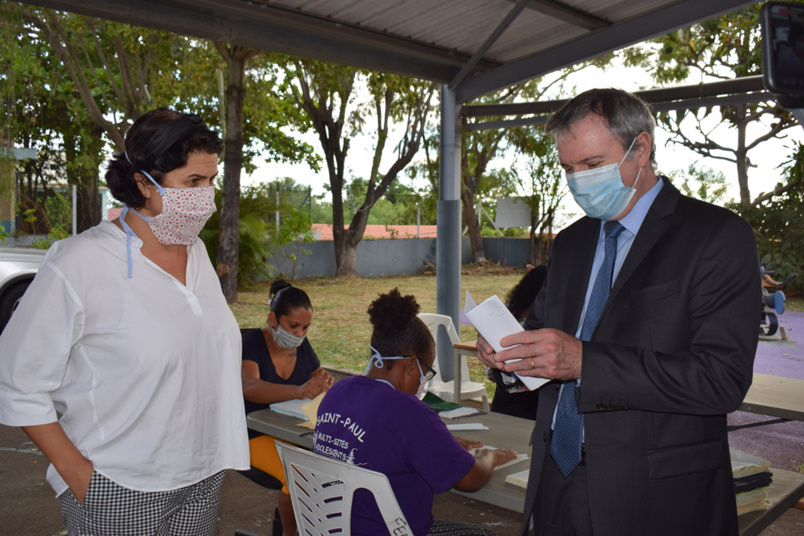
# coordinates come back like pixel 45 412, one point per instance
pixel 503 456
pixel 469 444
pixel 319 382
pixel 71 465
pixel 78 481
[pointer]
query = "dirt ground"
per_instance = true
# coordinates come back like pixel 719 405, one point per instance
pixel 27 506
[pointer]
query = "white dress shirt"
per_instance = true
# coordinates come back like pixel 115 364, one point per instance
pixel 143 372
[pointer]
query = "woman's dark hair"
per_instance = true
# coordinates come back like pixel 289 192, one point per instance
pixel 285 297
pixel 397 329
pixel 158 142
pixel 524 293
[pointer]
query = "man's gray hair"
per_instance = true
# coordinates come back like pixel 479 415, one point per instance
pixel 625 115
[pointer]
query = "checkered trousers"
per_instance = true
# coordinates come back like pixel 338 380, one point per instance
pixel 112 510
pixel 452 528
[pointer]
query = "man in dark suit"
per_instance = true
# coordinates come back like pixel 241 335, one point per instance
pixel 648 325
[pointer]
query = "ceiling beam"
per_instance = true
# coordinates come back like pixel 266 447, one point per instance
pixel 490 40
pixel 722 93
pixel 694 91
pixel 708 102
pixel 647 26
pixel 568 14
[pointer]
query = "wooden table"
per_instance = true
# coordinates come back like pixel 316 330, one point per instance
pixel 504 432
pixel 769 395
pixel 787 488
pixel 775 396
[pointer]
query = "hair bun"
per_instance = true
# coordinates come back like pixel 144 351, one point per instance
pixel 276 286
pixel 392 311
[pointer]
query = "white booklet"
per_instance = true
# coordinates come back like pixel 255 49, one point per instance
pixel 493 321
pixel 291 408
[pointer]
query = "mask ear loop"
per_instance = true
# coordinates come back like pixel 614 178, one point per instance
pixel 158 186
pixel 128 230
pixel 377 358
pixel 626 156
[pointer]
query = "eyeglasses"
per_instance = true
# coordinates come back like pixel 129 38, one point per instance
pixel 431 372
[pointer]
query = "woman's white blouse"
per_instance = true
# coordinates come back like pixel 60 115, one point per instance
pixel 144 372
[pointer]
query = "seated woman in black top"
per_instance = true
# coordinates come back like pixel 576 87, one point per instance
pixel 279 364
pixel 511 397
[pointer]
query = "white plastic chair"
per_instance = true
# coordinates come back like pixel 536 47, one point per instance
pixel 322 489
pixel 446 390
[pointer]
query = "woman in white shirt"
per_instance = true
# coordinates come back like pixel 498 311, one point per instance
pixel 122 361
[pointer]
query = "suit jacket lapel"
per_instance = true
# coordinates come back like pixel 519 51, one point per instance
pixel 653 226
pixel 579 274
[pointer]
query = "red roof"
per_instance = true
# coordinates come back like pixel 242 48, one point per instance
pixel 382 231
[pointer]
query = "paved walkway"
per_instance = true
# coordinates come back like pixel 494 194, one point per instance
pixel 781 444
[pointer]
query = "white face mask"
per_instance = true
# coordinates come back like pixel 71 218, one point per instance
pixel 285 339
pixel 600 192
pixel 422 382
pixel 377 360
pixel 184 213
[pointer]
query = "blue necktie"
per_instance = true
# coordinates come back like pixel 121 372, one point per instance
pixel 565 446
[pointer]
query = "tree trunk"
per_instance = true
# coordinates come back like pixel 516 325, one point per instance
pixel 346 255
pixel 476 241
pixel 741 155
pixel 229 244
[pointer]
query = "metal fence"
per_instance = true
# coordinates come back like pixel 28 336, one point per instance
pixel 390 257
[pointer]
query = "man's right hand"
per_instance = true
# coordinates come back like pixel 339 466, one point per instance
pixel 485 353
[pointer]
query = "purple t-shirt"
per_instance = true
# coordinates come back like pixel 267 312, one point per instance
pixel 369 423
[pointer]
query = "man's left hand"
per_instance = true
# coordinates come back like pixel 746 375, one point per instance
pixel 543 353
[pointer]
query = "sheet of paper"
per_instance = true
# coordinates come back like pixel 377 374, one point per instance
pixel 519 479
pixel 457 413
pixel 519 457
pixel 466 426
pixel 292 408
pixel 493 321
pixel 469 304
pixel 310 409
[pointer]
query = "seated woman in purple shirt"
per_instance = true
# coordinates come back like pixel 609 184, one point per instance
pixel 376 421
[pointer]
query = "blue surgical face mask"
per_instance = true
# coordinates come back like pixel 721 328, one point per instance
pixel 600 192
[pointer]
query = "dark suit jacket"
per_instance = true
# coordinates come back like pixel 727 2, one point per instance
pixel 672 353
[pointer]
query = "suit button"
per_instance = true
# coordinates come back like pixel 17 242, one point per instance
pixel 544 437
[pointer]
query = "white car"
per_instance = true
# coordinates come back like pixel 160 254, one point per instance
pixel 18 266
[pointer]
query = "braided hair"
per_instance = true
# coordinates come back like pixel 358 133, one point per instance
pixel 397 329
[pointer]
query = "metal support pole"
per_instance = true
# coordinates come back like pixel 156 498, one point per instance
pixel 448 243
pixel 418 220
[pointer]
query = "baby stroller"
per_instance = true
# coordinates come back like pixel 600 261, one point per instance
pixel 772 303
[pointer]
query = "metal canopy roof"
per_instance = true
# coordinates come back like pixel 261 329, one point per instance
pixel 475 46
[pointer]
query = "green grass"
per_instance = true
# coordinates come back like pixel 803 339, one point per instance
pixel 340 332
pixel 795 302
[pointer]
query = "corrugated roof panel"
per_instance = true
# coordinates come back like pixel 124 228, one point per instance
pixel 425 38
pixel 464 25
